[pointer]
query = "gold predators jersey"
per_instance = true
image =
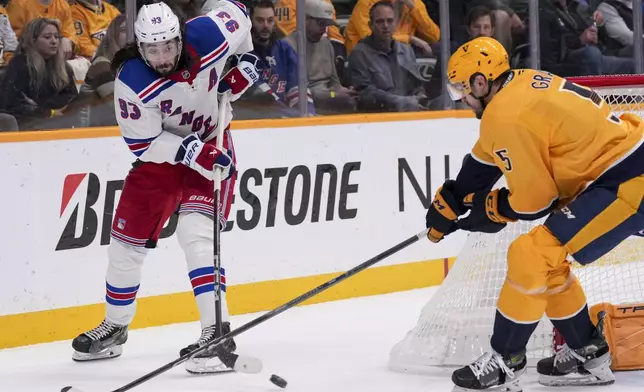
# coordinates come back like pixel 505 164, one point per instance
pixel 411 22
pixel 91 22
pixel 551 138
pixel 21 12
pixel 285 12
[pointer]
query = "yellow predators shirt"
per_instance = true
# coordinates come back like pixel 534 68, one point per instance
pixel 411 22
pixel 285 13
pixel 91 22
pixel 21 12
pixel 551 138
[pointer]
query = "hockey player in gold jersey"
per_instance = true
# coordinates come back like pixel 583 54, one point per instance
pixel 563 155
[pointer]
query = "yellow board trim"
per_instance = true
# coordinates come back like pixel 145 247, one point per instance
pixel 98 132
pixel 62 324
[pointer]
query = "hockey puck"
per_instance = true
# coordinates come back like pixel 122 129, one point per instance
pixel 279 381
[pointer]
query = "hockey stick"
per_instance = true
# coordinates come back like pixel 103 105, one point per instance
pixel 221 126
pixel 267 316
pixel 243 364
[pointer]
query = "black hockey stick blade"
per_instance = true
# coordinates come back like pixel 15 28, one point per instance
pixel 240 363
pixel 269 315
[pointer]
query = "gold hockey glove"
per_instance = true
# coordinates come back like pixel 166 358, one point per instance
pixel 484 212
pixel 442 214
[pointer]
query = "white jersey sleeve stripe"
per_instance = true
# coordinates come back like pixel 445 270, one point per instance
pixel 214 56
pixel 155 89
pixel 138 146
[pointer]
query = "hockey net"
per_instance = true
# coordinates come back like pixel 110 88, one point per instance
pixel 455 326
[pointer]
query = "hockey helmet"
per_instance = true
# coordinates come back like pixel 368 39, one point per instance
pixel 155 24
pixel 483 55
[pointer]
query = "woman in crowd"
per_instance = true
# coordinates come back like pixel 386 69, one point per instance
pixel 38 83
pixel 99 76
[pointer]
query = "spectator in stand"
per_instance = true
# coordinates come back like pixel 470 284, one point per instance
pixel 120 4
pixel 617 32
pixel 21 12
pixel 569 41
pixel 91 18
pixel 8 40
pixel 286 11
pixel 100 76
pixel 414 26
pixel 279 81
pixel 324 83
pixel 383 70
pixel 480 22
pixel 508 22
pixel 191 8
pixel 39 84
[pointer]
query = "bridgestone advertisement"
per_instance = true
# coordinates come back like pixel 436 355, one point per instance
pixel 308 200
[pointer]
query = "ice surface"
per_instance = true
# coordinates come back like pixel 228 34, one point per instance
pixel 332 347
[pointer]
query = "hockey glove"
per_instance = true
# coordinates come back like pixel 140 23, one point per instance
pixel 241 77
pixel 203 158
pixel 484 212
pixel 442 215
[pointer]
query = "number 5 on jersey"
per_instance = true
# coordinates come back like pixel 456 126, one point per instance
pixel 503 156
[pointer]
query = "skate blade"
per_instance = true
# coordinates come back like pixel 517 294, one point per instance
pixel 599 373
pixel 510 386
pixel 206 366
pixel 513 387
pixel 108 353
pixel 575 380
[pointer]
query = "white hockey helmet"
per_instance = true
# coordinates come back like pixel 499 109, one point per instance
pixel 156 23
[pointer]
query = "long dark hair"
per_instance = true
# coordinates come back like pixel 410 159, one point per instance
pixel 109 44
pixel 41 70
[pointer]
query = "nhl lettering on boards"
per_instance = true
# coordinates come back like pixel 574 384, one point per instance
pixel 326 183
pixel 407 175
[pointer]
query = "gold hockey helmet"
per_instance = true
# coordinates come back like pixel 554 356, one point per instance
pixel 482 55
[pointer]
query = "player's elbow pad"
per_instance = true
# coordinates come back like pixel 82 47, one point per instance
pixel 506 210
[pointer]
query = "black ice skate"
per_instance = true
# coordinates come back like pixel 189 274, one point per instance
pixel 217 359
pixel 589 365
pixel 103 342
pixel 491 372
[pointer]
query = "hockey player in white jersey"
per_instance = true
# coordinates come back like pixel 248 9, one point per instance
pixel 165 98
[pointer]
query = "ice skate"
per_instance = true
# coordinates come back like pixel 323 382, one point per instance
pixel 491 372
pixel 589 365
pixel 103 342
pixel 210 361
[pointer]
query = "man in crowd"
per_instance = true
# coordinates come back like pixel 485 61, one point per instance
pixel 383 70
pixel 324 83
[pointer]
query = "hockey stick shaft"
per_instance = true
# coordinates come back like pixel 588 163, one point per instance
pixel 269 315
pixel 221 126
pixel 240 363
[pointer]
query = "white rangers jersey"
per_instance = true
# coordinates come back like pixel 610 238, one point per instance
pixel 155 113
